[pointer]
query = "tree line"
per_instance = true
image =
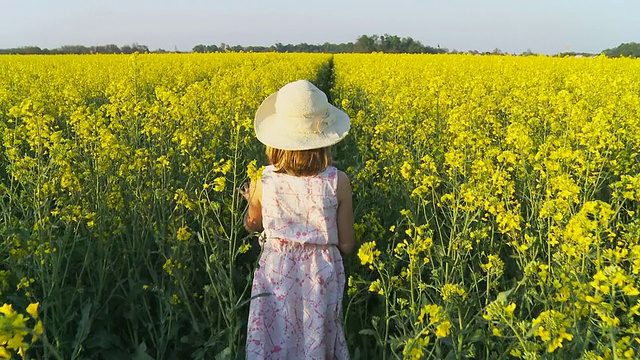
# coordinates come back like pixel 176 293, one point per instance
pixel 79 49
pixel 631 49
pixel 364 44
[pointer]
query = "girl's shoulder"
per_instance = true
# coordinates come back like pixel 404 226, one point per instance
pixel 339 173
pixel 329 171
pixel 270 171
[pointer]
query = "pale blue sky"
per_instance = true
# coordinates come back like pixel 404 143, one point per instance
pixel 544 26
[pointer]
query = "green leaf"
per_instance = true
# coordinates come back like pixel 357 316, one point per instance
pixel 141 352
pixel 356 354
pixel 224 354
pixel 101 339
pixel 240 304
pixel 367 332
pixel 504 295
pixel 84 326
pixel 451 355
pixel 477 336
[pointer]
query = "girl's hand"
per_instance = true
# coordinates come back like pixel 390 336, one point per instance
pixel 244 191
pixel 252 192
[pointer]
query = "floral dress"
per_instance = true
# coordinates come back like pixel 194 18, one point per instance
pixel 296 311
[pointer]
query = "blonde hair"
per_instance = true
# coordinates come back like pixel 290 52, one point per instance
pixel 299 162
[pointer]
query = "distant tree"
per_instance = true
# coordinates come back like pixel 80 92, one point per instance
pixel 328 48
pixel 631 49
pixel 574 54
pixel 79 49
pixel 256 49
pixel 278 47
pixel 390 44
pixel 411 46
pixel 135 47
pixel 527 52
pixel 25 50
pixel 436 50
pixel 393 44
pixel 106 49
pixel 73 49
pixel 303 47
pixel 365 44
pixel 346 48
pixel 205 48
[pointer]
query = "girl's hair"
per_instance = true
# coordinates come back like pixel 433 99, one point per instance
pixel 299 162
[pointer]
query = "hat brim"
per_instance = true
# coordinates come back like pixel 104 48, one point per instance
pixel 271 134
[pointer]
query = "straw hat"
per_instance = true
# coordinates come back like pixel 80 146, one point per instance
pixel 299 117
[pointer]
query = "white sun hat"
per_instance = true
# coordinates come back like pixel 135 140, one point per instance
pixel 299 117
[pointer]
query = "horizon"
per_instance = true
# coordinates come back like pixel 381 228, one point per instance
pixel 245 46
pixel 544 27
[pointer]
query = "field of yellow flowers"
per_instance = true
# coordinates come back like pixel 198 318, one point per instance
pixel 496 203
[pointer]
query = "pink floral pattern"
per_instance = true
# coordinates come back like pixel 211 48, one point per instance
pixel 298 288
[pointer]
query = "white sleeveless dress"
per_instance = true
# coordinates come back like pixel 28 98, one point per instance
pixel 300 274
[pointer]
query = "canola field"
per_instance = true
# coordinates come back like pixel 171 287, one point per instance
pixel 496 202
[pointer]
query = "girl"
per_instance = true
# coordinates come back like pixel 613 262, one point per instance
pixel 303 206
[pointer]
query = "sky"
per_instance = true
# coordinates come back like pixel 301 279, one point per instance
pixel 513 26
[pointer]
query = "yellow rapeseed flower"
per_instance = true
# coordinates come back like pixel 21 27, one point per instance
pixel 32 310
pixel 450 291
pixel 219 183
pixel 368 253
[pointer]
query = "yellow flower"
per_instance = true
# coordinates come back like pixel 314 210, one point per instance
pixel 16 342
pixel 219 183
pixel 494 266
pixel 163 160
pixel 183 233
pixel 368 253
pixel 442 330
pixel 630 290
pixel 515 353
pixel 509 309
pixel 449 291
pixel 32 310
pixel 599 276
pixel 428 309
pixel 551 327
pixel 557 342
pixel 437 318
pixel 629 353
pixel 253 172
pixel 496 332
pixel 414 348
pixel 376 287
pixel 7 310
pixel 405 170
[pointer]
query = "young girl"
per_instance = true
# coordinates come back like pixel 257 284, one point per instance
pixel 303 206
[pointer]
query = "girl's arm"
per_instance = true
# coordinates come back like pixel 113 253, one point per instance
pixel 346 236
pixel 253 217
